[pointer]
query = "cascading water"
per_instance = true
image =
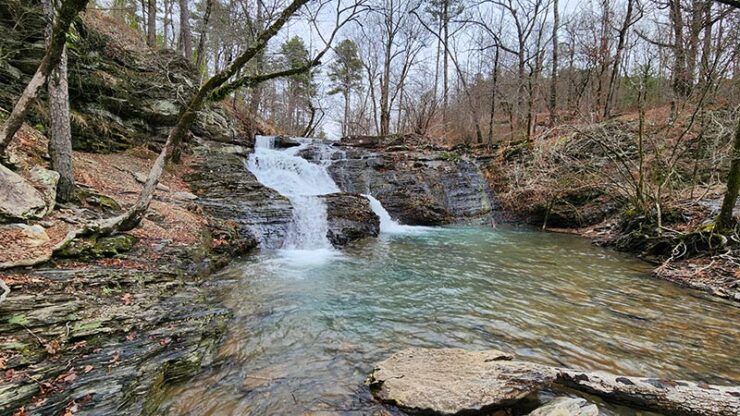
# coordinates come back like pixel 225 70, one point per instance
pixel 387 224
pixel 301 182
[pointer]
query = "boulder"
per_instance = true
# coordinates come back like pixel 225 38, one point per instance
pixel 451 381
pixel 46 182
pixel 567 406
pixel 350 218
pixel 284 142
pixel 20 200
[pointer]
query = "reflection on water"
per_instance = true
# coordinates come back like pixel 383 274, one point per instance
pixel 305 334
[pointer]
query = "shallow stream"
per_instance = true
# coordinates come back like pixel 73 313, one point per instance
pixel 309 325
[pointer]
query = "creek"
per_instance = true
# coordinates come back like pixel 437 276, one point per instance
pixel 310 321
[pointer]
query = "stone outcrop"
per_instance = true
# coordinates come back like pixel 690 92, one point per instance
pixel 122 94
pixel 417 185
pixel 350 218
pixel 452 381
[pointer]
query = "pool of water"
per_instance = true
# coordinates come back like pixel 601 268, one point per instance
pixel 308 326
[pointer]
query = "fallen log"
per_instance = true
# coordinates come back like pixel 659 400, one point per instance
pixel 453 381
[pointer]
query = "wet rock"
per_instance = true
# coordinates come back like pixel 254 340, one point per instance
pixel 283 142
pixel 20 200
pixel 114 339
pixel 249 211
pixel 350 218
pixel 567 406
pixel 416 186
pixel 451 381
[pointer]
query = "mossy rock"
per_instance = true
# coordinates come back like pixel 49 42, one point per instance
pixel 94 247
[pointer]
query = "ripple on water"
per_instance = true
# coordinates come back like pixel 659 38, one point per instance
pixel 308 325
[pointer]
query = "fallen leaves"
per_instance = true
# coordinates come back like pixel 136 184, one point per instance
pixel 53 347
pixel 127 299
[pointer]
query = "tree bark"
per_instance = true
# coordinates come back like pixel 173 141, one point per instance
pixel 60 143
pixel 726 221
pixel 68 11
pixel 200 54
pixel 186 41
pixel 494 81
pixel 151 24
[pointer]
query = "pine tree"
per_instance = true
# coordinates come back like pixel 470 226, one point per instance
pixel 345 72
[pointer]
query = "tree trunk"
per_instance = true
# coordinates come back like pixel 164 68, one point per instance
pixel 494 81
pixel 554 74
pixel 726 221
pixel 445 63
pixel 200 54
pixel 613 80
pixel 186 42
pixel 60 143
pixel 68 11
pixel 151 25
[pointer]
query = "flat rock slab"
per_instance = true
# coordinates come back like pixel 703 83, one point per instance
pixel 452 381
pixel 567 406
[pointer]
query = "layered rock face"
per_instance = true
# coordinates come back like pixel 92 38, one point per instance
pixel 417 185
pixel 121 93
pixel 350 218
pixel 227 190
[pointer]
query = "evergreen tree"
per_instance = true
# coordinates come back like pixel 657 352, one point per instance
pixel 300 87
pixel 345 72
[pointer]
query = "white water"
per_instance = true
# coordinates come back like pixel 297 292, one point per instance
pixel 387 224
pixel 302 182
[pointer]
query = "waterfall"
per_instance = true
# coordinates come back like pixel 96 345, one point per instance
pixel 387 224
pixel 301 182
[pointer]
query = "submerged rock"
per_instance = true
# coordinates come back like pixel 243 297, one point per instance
pixel 350 218
pixel 20 200
pixel 567 406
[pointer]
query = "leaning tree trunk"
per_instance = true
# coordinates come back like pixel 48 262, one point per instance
pixel 60 142
pixel 69 10
pixel 726 221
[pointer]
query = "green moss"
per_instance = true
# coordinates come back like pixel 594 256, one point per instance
pixel 453 157
pixel 94 247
